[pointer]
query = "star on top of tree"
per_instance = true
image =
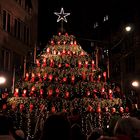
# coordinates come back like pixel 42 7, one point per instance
pixel 62 15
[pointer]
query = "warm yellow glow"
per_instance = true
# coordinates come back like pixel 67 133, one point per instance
pixel 2 80
pixel 135 83
pixel 128 28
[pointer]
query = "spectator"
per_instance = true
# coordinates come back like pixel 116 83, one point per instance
pixel 76 133
pixel 95 134
pixel 75 117
pixel 19 135
pixel 6 128
pixel 56 127
pixel 127 128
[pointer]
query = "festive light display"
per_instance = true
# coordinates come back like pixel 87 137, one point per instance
pixel 65 78
pixel 61 16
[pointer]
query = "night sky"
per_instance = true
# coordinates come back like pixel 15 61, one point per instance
pixel 84 14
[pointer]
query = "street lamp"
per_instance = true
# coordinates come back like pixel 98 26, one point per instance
pixel 135 84
pixel 128 28
pixel 2 80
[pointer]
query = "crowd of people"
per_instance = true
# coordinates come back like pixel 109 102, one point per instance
pixel 59 126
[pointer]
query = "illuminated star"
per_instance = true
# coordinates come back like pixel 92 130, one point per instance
pixel 62 15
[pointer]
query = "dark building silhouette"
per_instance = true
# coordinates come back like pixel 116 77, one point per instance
pixel 18 35
pixel 123 47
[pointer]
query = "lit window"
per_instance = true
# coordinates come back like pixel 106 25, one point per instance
pixel 105 18
pixel 95 25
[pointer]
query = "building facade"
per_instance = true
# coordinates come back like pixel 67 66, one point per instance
pixel 125 60
pixel 18 35
pixel 123 49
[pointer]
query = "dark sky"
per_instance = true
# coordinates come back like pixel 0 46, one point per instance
pixel 84 13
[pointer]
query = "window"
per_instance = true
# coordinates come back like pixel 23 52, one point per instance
pixel 19 2
pixel 15 28
pixel 6 21
pixel 24 33
pixel 2 62
pixel 19 29
pixel 28 32
pixel 6 60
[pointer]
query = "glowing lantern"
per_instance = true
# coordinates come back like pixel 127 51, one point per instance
pixel 59 53
pixel 67 65
pixel 83 75
pixel 64 79
pixel 26 76
pixel 67 94
pixel 110 91
pixel 4 106
pixel 59 65
pixel 16 92
pixel 103 90
pixel 64 51
pixel 106 109
pixel 41 91
pixel 50 77
pixel 79 64
pixel 56 78
pixel 39 75
pixel 127 109
pixel 69 52
pixel 50 92
pixel 31 107
pixel 64 42
pixel 71 43
pixel 86 64
pixel 104 74
pixel 57 90
pixel 42 107
pixel 54 52
pixel 48 50
pixel 88 93
pixel 99 78
pixel 53 109
pixel 89 108
pixel 37 62
pixel 45 76
pixel 13 106
pixel 66 34
pixel 93 65
pixel 44 62
pixel 52 42
pixel 33 77
pixel 51 63
pixel 73 78
pixel 98 109
pixel 121 109
pixel 82 53
pixel 24 93
pixel 33 88
pixel 113 110
pixel 21 107
pixel 59 33
pixel 58 42
pixel 64 110
pixel 75 43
